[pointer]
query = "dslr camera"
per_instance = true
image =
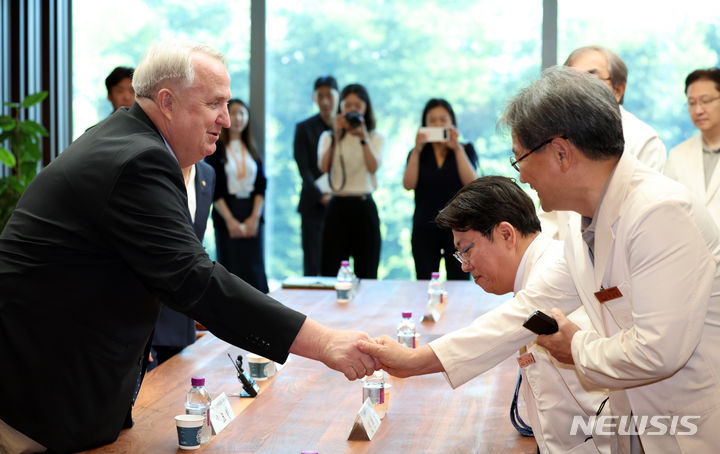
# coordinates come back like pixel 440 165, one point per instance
pixel 354 119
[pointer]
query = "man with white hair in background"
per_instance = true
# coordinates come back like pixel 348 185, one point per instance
pixel 101 239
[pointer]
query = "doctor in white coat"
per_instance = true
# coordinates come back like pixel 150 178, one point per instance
pixel 694 162
pixel 641 140
pixel 644 267
pixel 497 230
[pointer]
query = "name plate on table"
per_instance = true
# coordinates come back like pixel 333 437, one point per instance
pixel 366 422
pixel 221 413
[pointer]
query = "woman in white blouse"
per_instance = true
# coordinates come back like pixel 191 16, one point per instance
pixel 239 197
pixel 351 155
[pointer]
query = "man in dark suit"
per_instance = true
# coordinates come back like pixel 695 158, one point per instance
pixel 101 239
pixel 174 330
pixel 314 198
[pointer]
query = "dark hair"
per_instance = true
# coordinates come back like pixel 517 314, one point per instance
pixel 615 65
pixel 117 75
pixel 245 135
pixel 361 93
pixel 325 81
pixel 567 102
pixel 712 74
pixel 487 201
pixel 438 102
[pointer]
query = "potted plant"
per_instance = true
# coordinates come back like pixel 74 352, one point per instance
pixel 23 156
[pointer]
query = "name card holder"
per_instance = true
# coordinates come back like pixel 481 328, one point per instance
pixel 366 423
pixel 221 413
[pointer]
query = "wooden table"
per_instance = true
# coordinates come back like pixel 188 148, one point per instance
pixel 307 406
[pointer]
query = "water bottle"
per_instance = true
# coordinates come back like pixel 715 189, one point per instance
pixel 198 402
pixel 406 330
pixel 374 388
pixel 435 290
pixel 344 283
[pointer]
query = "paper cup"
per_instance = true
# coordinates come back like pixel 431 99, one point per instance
pixel 260 368
pixel 344 292
pixel 188 429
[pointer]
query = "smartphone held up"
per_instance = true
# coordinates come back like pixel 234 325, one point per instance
pixel 435 133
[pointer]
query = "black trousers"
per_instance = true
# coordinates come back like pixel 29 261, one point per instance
pixel 352 229
pixel 244 257
pixel 429 243
pixel 312 222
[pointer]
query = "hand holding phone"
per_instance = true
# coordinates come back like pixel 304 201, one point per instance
pixel 540 323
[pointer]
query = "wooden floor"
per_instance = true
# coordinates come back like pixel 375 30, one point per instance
pixel 306 406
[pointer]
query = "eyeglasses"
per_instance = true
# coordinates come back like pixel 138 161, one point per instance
pixel 460 255
pixel 702 101
pixel 514 162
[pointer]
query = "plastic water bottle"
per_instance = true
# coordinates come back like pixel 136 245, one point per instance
pixel 344 283
pixel 374 388
pixel 435 290
pixel 406 330
pixel 198 402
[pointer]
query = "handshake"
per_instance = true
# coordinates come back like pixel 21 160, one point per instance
pixel 356 354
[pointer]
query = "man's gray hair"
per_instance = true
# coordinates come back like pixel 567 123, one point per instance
pixel 168 60
pixel 616 66
pixel 567 102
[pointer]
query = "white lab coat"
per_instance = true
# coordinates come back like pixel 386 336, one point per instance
pixel 552 391
pixel 641 141
pixel 658 346
pixel 685 164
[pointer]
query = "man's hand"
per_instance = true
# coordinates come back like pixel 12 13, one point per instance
pixel 401 361
pixel 340 352
pixel 559 344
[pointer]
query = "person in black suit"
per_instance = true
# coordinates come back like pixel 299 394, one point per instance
pixel 313 197
pixel 101 239
pixel 174 330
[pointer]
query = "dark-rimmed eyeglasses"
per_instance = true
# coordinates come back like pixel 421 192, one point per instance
pixel 514 162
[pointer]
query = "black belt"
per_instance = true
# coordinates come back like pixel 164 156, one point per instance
pixel 353 197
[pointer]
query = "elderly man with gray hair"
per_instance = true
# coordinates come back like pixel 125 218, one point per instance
pixel 101 239
pixel 644 265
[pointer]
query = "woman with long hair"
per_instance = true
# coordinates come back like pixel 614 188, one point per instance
pixel 436 169
pixel 239 197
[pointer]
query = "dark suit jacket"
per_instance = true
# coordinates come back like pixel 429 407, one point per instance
pixel 305 144
pixel 174 329
pixel 97 241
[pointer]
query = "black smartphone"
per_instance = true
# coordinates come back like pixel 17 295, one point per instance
pixel 540 323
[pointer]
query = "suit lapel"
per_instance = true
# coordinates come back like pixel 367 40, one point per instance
pixel 695 177
pixel 581 269
pixel 609 212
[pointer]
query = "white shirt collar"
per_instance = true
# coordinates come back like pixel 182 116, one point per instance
pixel 518 285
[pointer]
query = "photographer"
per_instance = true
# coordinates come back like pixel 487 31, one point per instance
pixel 437 167
pixel 351 155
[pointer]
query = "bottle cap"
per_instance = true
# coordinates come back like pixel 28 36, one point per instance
pixel 436 275
pixel 407 314
pixel 345 263
pixel 197 381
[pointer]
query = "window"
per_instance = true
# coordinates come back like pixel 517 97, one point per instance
pixel 473 53
pixel 660 45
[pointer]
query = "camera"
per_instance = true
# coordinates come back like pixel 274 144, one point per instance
pixel 354 119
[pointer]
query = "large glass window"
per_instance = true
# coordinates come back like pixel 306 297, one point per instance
pixel 110 34
pixel 660 43
pixel 473 53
